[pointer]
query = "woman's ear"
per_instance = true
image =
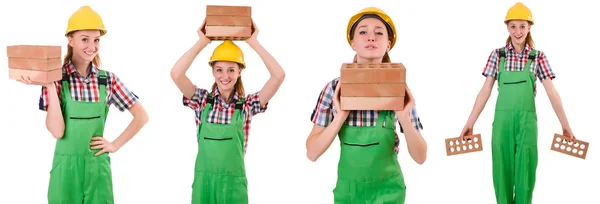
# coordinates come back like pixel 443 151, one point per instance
pixel 70 39
pixel 389 45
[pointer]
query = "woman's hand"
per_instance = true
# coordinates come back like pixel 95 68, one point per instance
pixel 409 103
pixel 201 33
pixel 253 37
pixel 336 103
pixel 567 132
pixel 105 145
pixel 27 80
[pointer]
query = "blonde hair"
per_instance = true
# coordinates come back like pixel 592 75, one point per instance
pixel 69 55
pixel 238 87
pixel 386 58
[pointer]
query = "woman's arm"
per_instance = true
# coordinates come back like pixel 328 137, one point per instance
pixel 277 73
pixel 417 146
pixel 320 138
pixel 482 98
pixel 54 118
pixel 556 102
pixel 178 71
pixel 325 129
pixel 140 118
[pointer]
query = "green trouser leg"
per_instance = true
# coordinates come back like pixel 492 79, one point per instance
pixel 368 170
pixel 514 150
pixel 77 176
pixel 514 135
pixel 220 175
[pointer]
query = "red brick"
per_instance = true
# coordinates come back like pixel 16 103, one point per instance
pixel 216 10
pixel 372 103
pixel 228 32
pixel 561 144
pixel 33 51
pixel 373 90
pixel 35 64
pixel 373 73
pixel 228 21
pixel 41 77
pixel 455 145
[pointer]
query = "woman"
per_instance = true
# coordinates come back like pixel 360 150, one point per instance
pixel 366 174
pixel 76 108
pixel 223 117
pixel 514 134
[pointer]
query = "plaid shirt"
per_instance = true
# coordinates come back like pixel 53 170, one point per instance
pixel 324 113
pixel 222 111
pixel 516 62
pixel 86 89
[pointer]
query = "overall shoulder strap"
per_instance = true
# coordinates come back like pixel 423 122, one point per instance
pixel 502 60
pixel 102 78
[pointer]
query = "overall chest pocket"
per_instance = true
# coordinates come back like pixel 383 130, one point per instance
pixel 83 118
pixel 361 144
pixel 514 82
pixel 218 138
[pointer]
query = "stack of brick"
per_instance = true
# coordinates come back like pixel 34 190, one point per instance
pixel 372 86
pixel 40 63
pixel 228 22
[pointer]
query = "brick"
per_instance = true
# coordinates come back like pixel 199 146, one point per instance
pixel 228 32
pixel 373 90
pixel 35 64
pixel 576 148
pixel 455 145
pixel 41 77
pixel 371 103
pixel 228 21
pixel 33 51
pixel 217 10
pixel 373 73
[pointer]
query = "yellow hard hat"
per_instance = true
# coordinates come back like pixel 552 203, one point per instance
pixel 85 19
pixel 519 12
pixel 372 10
pixel 228 51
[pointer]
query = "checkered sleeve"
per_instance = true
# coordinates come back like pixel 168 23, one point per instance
pixel 544 70
pixel 491 67
pixel 253 102
pixel 323 112
pixel 121 97
pixel 43 102
pixel 414 119
pixel 196 101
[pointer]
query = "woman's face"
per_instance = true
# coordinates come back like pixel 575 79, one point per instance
pixel 226 74
pixel 518 31
pixel 371 39
pixel 85 43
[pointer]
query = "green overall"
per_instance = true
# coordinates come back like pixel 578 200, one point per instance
pixel 220 174
pixel 514 135
pixel 368 169
pixel 77 176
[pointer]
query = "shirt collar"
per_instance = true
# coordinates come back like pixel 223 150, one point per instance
pixel 510 47
pixel 71 68
pixel 215 92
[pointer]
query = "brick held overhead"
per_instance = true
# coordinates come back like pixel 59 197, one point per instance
pixel 218 10
pixel 228 22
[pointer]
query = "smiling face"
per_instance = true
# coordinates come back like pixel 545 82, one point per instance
pixel 226 75
pixel 371 40
pixel 86 44
pixel 518 30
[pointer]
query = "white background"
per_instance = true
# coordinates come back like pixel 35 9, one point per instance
pixel 443 44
